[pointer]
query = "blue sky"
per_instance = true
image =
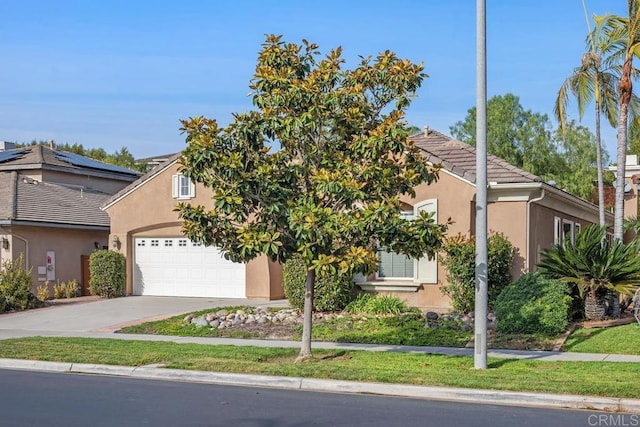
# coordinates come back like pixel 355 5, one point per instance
pixel 123 73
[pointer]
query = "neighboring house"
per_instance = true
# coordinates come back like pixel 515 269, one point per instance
pixel 162 261
pixel 50 210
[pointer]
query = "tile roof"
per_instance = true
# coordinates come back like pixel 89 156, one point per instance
pixel 459 158
pixel 25 199
pixel 39 156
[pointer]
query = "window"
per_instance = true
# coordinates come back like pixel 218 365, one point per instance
pixel 564 231
pixel 182 243
pixel 182 187
pixel 168 242
pixel 401 267
pixel 155 242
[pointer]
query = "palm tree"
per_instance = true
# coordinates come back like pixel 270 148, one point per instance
pixel 591 81
pixel 596 266
pixel 620 38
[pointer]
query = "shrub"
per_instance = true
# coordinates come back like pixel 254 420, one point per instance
pixel 108 273
pixel 331 293
pixel 460 263
pixel 533 304
pixel 15 285
pixel 42 292
pixel 58 290
pixel 71 288
pixel 377 304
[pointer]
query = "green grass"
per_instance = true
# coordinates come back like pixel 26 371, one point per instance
pixel 407 329
pixel 617 339
pixel 583 378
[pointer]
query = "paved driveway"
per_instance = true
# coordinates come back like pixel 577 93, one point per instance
pixel 108 315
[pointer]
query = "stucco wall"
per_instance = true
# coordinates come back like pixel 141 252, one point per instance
pixel 149 210
pixel 67 244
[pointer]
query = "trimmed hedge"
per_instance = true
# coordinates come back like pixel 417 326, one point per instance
pixel 533 304
pixel 108 273
pixel 331 293
pixel 460 262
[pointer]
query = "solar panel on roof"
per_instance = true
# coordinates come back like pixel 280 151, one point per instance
pixel 7 156
pixel 85 162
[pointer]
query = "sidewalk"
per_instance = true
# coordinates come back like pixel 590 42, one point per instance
pixel 549 356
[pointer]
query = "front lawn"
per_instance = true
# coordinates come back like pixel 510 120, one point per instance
pixel 404 329
pixel 582 378
pixel 617 339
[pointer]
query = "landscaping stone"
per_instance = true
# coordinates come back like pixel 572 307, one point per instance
pixel 432 315
pixel 222 313
pixel 199 321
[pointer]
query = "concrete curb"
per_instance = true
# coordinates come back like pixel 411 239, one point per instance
pixel 493 397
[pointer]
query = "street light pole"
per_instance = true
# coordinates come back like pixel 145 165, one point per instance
pixel 481 294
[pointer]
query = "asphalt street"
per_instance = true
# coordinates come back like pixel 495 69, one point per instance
pixel 39 399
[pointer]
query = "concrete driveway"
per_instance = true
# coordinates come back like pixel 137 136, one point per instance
pixel 104 315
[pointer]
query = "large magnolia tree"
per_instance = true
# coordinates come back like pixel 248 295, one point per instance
pixel 316 169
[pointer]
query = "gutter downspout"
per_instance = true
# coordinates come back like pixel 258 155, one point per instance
pixel 528 238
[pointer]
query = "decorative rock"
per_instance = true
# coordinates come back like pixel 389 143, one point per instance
pixel 221 313
pixel 432 315
pixel 262 320
pixel 241 312
pixel 215 323
pixel 199 321
pixel 211 317
pixel 491 317
pixel 188 318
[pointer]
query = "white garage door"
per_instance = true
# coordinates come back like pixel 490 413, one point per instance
pixel 175 266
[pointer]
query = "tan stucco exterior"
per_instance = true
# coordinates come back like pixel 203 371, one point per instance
pixel 67 244
pixel 525 213
pixel 149 211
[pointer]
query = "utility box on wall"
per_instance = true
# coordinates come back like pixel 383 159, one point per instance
pixel 51 265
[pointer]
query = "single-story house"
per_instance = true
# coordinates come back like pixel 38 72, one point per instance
pixel 161 261
pixel 50 210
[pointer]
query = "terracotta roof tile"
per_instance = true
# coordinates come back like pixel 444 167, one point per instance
pixel 460 159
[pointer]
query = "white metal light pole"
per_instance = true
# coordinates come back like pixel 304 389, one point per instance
pixel 480 328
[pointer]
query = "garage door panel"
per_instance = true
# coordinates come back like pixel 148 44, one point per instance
pixel 179 267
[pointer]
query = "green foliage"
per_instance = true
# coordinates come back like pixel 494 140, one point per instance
pixel 594 264
pixel 332 292
pixel 525 139
pixel 331 192
pixel 42 292
pixel 460 264
pixel 15 285
pixel 58 290
pixel 377 304
pixel 108 273
pixel 534 304
pixel 65 289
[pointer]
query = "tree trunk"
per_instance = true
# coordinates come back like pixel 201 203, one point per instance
pixel 305 348
pixel 595 306
pixel 599 160
pixel 624 92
